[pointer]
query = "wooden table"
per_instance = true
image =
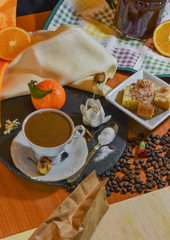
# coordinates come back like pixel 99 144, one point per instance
pixel 25 204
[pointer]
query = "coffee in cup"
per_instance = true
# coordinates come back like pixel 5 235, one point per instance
pixel 48 131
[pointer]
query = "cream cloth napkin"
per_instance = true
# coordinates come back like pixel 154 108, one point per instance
pixel 68 55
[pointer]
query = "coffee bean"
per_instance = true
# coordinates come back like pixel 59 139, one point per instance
pixel 133 191
pixel 111 177
pixel 130 176
pixel 138 180
pixel 148 175
pixel 137 172
pixel 164 148
pixel 158 136
pixel 117 164
pixel 113 170
pixel 141 160
pixel 162 142
pixel 124 191
pixel 149 185
pixel 117 189
pixel 147 146
pixel 157 142
pixel 138 167
pixel 114 182
pixel 156 166
pixel 108 193
pixel 147 190
pixel 124 170
pixel 124 161
pixel 129 188
pixel 120 184
pixel 137 185
pixel 130 161
pixel 125 184
pixel 136 162
pixel 157 170
pixel 132 172
pixel 149 165
pixel 149 179
pixel 133 181
pixel 143 165
pixel 118 169
pixel 168 178
pixel 168 154
pixel 163 183
pixel 153 183
pixel 140 190
pixel 150 143
pixel 160 186
pixel 164 172
pixel 118 179
pixel 128 154
pixel 130 168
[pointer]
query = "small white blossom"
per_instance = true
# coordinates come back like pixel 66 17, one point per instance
pixel 10 126
pixel 93 113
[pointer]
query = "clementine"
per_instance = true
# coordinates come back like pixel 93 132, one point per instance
pixel 12 41
pixel 47 94
pixel 161 38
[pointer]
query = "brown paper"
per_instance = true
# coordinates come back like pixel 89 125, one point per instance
pixel 77 217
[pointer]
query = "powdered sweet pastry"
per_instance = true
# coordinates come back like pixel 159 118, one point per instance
pixel 140 96
pixel 128 101
pixel 68 55
pixel 162 97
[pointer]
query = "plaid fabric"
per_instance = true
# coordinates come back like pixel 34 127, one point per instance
pixel 96 17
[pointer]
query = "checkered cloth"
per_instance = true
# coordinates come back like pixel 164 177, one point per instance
pixel 96 17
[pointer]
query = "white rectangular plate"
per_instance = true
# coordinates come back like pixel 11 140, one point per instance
pixel 113 97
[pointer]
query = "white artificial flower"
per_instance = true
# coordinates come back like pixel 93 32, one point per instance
pixel 93 113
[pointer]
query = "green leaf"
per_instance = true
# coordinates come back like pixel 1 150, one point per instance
pixel 36 92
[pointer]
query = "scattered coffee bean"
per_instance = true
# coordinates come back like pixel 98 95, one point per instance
pixel 160 186
pixel 140 190
pixel 124 191
pixel 117 189
pixel 147 190
pixel 162 142
pixel 141 161
pixel 64 155
pixel 133 191
pixel 136 162
pixel 157 142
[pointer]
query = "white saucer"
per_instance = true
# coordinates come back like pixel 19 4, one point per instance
pixel 21 151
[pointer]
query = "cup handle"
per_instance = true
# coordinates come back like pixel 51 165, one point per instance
pixel 79 128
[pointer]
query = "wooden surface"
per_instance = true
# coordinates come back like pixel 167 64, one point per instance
pixel 145 217
pixel 25 204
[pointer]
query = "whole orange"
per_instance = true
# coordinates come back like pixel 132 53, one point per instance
pixel 55 97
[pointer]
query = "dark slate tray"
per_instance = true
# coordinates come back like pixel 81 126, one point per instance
pixel 20 107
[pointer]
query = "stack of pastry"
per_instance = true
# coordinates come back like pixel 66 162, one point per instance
pixel 142 97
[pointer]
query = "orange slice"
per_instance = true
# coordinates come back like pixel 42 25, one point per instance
pixel 12 41
pixel 161 38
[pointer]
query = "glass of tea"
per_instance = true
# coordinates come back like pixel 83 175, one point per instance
pixel 138 18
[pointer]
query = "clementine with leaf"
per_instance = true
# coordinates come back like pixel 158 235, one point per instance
pixel 47 94
pixel 12 41
pixel 161 38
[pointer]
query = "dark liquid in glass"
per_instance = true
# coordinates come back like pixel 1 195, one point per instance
pixel 138 18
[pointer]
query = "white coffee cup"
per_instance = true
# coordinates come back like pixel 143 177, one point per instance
pixel 52 152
